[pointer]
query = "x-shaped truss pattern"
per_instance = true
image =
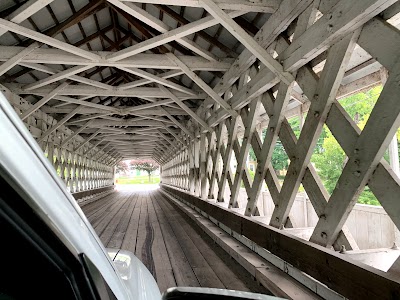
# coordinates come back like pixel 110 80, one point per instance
pixel 209 177
pixel 90 109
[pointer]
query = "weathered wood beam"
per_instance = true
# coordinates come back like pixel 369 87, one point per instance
pixel 182 105
pixel 47 40
pixel 168 36
pixel 212 40
pixel 153 61
pixel 269 6
pixel 155 78
pixel 325 93
pixel 24 11
pixel 56 77
pixel 204 86
pixel 46 98
pixel 249 42
pixel 83 90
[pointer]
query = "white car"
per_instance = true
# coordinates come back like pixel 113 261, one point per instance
pixel 48 248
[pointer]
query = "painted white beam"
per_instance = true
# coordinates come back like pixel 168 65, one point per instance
pixel 157 24
pixel 140 82
pixel 65 141
pixel 25 11
pixel 141 61
pixel 176 122
pixel 37 36
pixel 83 90
pixel 147 106
pixel 9 64
pixel 46 98
pixel 158 79
pixel 86 103
pixel 265 6
pixel 89 117
pixel 170 35
pixel 52 71
pixel 87 140
pixel 59 124
pixel 190 112
pixel 56 77
pixel 344 17
pixel 103 123
pixel 251 44
pixel 204 86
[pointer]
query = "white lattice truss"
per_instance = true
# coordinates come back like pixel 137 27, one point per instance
pixel 306 56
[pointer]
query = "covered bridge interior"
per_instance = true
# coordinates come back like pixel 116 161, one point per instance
pixel 196 85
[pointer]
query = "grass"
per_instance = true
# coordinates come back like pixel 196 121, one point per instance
pixel 138 180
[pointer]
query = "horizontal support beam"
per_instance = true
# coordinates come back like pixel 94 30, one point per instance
pixel 83 90
pixel 143 60
pixel 265 6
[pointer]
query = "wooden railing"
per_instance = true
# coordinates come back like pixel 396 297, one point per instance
pixel 349 278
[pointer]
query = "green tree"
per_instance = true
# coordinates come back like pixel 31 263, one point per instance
pixel 146 165
pixel 331 160
pixel 279 160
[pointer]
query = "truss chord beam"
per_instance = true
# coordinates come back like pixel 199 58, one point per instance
pixel 184 107
pixel 56 77
pixel 324 95
pixel 168 36
pixel 25 11
pixel 43 101
pixel 47 40
pixel 15 60
pixel 250 126
pixel 58 124
pixel 204 86
pixel 368 151
pixel 248 41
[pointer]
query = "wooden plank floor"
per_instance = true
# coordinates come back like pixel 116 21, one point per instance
pixel 172 247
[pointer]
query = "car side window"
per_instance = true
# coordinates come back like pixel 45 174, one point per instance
pixel 34 263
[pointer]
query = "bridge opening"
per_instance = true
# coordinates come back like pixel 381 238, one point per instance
pixel 138 175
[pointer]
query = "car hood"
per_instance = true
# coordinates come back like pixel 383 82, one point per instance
pixel 137 278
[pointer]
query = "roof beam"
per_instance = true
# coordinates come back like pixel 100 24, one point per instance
pixel 160 80
pixel 81 79
pixel 158 25
pixel 168 36
pixel 9 64
pixel 140 82
pixel 59 124
pixel 204 86
pixel 191 113
pixel 25 11
pixel 143 61
pixel 212 40
pixel 269 6
pixel 90 8
pixel 37 36
pixel 46 98
pixel 249 42
pixel 83 90
pixel 56 77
